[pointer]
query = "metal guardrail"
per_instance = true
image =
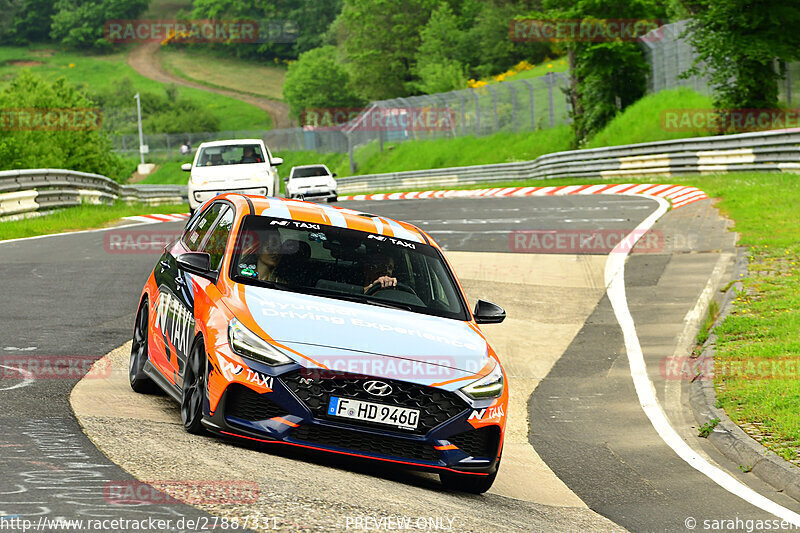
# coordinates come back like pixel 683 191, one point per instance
pixel 24 191
pixel 761 151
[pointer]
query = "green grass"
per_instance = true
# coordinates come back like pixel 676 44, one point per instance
pixel 643 122
pixel 217 71
pixel 78 218
pixel 168 173
pixel 100 72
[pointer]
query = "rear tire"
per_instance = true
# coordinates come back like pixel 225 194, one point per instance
pixel 333 199
pixel 193 390
pixel 139 381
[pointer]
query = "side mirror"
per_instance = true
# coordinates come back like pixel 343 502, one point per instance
pixel 334 174
pixel 187 167
pixel 277 161
pixel 488 313
pixel 195 263
pixel 286 180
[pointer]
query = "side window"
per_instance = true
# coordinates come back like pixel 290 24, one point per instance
pixel 194 237
pixel 217 241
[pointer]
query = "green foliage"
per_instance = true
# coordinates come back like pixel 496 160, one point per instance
pixel 606 76
pixel 379 39
pixel 80 23
pixel 318 80
pixel 165 112
pixel 25 21
pixel 738 41
pixel 705 430
pixel 437 67
pixel 87 151
pixel 309 20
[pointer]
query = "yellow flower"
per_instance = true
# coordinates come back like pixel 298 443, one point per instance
pixel 549 65
pixel 72 65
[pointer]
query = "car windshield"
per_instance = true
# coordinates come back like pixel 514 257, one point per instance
pixel 308 172
pixel 230 154
pixel 345 264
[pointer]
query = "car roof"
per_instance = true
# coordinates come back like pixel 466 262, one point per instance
pixel 231 141
pixel 329 215
pixel 310 166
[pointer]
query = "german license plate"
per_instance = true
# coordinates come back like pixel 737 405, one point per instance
pixel 389 415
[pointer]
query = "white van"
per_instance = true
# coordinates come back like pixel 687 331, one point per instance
pixel 240 165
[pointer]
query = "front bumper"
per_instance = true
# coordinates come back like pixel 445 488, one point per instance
pixel 198 197
pixel 309 194
pixel 294 414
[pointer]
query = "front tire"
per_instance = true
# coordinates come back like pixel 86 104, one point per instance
pixel 333 199
pixel 139 381
pixel 468 482
pixel 193 390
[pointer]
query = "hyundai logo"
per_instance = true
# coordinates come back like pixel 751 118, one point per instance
pixel 378 388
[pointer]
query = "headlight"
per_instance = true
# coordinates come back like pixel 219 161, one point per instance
pixel 489 386
pixel 247 344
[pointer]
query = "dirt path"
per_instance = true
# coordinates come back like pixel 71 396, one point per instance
pixel 144 60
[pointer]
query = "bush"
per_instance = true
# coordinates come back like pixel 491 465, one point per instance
pixel 85 150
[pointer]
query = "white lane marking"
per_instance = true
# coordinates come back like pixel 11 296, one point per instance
pixel 15 349
pixel 25 382
pixel 645 390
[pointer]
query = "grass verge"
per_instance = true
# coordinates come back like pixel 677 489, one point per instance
pixel 86 216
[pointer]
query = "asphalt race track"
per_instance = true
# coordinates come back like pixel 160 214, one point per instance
pixel 70 296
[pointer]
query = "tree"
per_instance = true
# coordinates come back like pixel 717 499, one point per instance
pixel 607 76
pixel 25 145
pixel 80 23
pixel 437 65
pixel 737 42
pixel 25 21
pixel 317 80
pixel 379 40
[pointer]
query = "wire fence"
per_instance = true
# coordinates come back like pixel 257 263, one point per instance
pixel 670 54
pixel 512 106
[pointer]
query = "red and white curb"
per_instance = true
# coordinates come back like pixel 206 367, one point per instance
pixel 679 195
pixel 159 218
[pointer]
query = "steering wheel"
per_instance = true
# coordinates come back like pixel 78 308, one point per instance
pixel 402 286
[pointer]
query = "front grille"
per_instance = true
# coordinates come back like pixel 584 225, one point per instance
pixel 478 442
pixel 247 404
pixel 315 389
pixel 365 442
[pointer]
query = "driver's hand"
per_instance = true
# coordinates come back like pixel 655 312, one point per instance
pixel 385 282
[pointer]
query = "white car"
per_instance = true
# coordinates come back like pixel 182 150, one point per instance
pixel 312 182
pixel 240 165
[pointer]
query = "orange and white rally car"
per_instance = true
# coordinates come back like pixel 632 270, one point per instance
pixel 286 322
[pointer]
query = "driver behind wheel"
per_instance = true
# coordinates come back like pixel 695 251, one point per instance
pixel 378 270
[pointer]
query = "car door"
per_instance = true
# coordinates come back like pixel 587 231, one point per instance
pixel 174 316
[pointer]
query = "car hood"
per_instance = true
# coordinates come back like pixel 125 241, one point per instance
pixel 352 334
pixel 227 173
pixel 311 181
